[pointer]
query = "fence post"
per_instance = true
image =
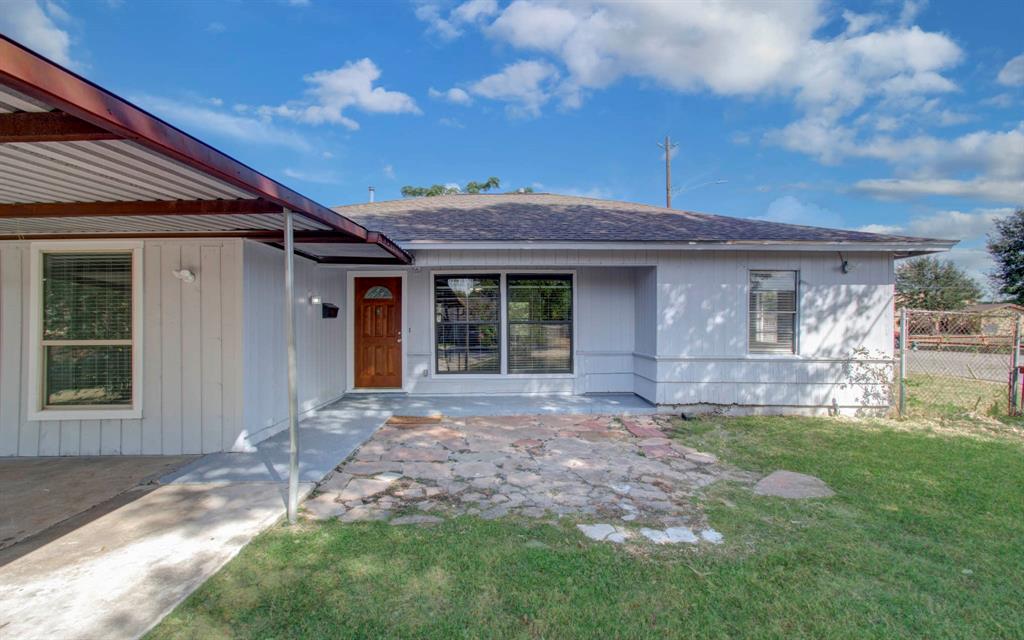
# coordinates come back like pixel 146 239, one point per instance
pixel 904 336
pixel 1015 364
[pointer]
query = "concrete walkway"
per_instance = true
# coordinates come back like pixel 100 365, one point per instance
pixel 118 574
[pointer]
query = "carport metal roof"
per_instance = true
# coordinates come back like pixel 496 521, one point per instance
pixel 77 161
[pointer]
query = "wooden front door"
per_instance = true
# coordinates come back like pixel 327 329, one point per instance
pixel 378 332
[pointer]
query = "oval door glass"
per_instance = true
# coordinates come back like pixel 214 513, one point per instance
pixel 378 293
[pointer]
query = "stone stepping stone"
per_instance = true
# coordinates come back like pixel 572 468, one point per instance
pixel 605 532
pixel 789 484
pixel 671 535
pixel 323 507
pixel 643 432
pixel 363 488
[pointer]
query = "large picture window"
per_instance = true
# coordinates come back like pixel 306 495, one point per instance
pixel 467 317
pixel 773 312
pixel 539 323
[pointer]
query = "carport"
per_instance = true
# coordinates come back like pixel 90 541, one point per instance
pixel 78 162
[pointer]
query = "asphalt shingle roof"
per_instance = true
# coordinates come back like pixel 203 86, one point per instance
pixel 550 217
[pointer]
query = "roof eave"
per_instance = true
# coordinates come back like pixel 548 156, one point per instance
pixel 48 82
pixel 906 248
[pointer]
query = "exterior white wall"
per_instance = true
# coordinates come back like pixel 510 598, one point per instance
pixel 320 342
pixel 191 344
pixel 702 332
pixel 686 311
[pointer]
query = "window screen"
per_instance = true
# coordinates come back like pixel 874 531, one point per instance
pixel 87 329
pixel 467 321
pixel 539 323
pixel 772 312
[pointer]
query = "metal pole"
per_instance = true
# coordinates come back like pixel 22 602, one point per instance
pixel 1015 364
pixel 293 400
pixel 668 170
pixel 904 337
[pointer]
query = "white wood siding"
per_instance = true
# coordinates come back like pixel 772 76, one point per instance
pixel 191 358
pixel 688 319
pixel 320 343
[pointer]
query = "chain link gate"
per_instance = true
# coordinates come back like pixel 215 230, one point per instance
pixel 959 362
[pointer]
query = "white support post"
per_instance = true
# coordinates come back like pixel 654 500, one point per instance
pixel 293 400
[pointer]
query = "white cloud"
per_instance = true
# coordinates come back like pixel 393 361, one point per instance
pixel 957 225
pixel 1012 73
pixel 792 210
pixel 1001 101
pixel 526 85
pixel 732 49
pixel 335 90
pixel 454 95
pixel 216 27
pixel 884 229
pixel 194 117
pixel 910 10
pixel 451 122
pixel 34 26
pixel 474 10
pixel 316 177
pixel 1011 191
pixel 389 172
pixel 450 27
pixel 992 160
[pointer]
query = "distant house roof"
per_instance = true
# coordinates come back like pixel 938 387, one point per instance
pixel 545 217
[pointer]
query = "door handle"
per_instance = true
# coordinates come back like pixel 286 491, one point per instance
pixel 399 338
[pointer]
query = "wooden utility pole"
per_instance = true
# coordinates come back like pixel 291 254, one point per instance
pixel 668 146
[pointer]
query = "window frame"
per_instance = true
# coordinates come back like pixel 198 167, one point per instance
pixel 499 322
pixel 571 322
pixel 795 352
pixel 503 274
pixel 37 410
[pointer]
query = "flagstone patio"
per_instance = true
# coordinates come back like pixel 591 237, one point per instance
pixel 602 468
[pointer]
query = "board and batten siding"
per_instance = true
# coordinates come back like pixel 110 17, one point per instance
pixel 192 358
pixel 319 342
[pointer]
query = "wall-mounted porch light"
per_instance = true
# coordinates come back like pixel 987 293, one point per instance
pixel 185 275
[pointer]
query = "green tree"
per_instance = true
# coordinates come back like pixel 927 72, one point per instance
pixel 1006 244
pixel 931 283
pixel 446 190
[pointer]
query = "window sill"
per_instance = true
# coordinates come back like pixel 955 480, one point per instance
pixel 502 376
pixel 85 414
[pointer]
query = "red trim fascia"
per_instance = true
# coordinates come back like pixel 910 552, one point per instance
pixel 43 80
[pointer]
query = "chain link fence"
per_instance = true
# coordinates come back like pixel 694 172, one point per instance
pixel 959 362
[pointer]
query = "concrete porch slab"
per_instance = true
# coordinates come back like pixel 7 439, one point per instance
pixel 38 493
pixel 120 574
pixel 496 405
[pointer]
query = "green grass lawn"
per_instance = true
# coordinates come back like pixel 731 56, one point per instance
pixel 924 539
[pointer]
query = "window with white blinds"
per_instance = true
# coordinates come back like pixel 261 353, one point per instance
pixel 539 323
pixel 772 312
pixel 535 331
pixel 467 323
pixel 86 330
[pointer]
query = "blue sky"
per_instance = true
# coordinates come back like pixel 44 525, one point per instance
pixel 891 116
